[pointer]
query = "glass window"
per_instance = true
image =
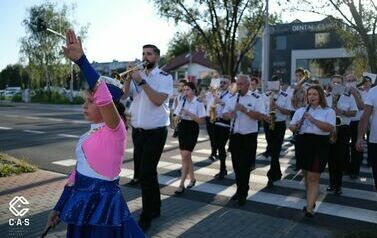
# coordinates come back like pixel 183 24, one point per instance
pixel 322 39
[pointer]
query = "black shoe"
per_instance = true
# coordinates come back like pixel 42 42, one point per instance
pixel 191 184
pixel 270 184
pixel 307 213
pixel 180 190
pixel 235 196
pixel 175 134
pixel 266 154
pixel 155 215
pixel 144 223
pixel 212 157
pixel 241 201
pixel 134 182
pixel 330 188
pixel 221 175
pixel 338 191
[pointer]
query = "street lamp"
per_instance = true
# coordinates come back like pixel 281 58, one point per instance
pixel 265 51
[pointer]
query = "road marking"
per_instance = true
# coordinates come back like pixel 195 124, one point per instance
pixel 129 150
pixel 66 162
pixel 277 200
pixel 33 118
pixel 80 122
pixel 35 132
pixel 5 128
pixel 68 136
pixel 55 119
pixel 167 146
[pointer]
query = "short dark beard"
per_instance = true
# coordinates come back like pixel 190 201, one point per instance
pixel 150 65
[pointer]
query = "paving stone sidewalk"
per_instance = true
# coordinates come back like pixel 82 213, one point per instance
pixel 180 217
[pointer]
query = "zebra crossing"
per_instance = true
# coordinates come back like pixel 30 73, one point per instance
pixel 358 201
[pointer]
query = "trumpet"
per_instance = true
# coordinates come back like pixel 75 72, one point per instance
pixel 120 76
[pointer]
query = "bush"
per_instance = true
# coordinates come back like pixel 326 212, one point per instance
pixel 17 98
pixel 10 166
pixel 41 96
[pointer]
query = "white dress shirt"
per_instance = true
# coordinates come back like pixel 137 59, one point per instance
pixel 243 123
pixel 194 107
pixel 144 113
pixel 321 114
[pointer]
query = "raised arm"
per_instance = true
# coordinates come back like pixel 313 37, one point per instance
pixel 74 51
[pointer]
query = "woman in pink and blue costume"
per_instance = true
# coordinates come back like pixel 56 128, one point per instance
pixel 91 203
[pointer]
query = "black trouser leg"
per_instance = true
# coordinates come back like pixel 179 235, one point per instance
pixel 222 135
pixel 332 164
pixel 277 139
pixel 152 144
pixel 267 133
pixel 372 160
pixel 356 156
pixel 211 133
pixel 241 152
pixel 137 141
pixel 341 153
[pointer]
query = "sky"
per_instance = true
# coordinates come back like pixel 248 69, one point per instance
pixel 117 28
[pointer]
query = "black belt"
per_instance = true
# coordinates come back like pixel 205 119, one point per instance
pixel 227 122
pixel 148 130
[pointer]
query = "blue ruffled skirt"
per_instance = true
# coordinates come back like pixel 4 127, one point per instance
pixel 96 208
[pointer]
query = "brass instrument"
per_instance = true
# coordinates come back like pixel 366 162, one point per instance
pixel 334 134
pixel 272 112
pixel 120 76
pixel 213 108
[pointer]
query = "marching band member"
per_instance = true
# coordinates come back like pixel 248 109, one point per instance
pixel 222 126
pixel 92 203
pixel 313 124
pixel 209 101
pixel 370 111
pixel 282 104
pixel 150 89
pixel 191 113
pixel 345 108
pixel 176 101
pixel 244 111
pixel 354 161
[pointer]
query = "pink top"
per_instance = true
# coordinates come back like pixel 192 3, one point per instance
pixel 104 149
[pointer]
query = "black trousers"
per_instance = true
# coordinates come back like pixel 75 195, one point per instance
pixel 211 133
pixel 356 156
pixel 148 147
pixel 221 135
pixel 338 156
pixel 267 134
pixel 372 160
pixel 276 142
pixel 241 149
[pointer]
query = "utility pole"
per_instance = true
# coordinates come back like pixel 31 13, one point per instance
pixel 266 51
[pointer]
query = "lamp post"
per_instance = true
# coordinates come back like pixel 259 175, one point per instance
pixel 265 51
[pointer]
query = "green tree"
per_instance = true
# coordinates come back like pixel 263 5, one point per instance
pixel 228 28
pixel 41 50
pixel 358 24
pixel 13 76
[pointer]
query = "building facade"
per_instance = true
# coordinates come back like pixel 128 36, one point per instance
pixel 315 46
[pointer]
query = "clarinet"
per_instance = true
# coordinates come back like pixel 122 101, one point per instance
pixel 180 112
pixel 301 122
pixel 233 122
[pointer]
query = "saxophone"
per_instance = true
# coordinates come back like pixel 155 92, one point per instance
pixel 212 110
pixel 334 134
pixel 272 112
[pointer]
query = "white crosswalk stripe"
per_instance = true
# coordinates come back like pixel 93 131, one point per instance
pixel 205 170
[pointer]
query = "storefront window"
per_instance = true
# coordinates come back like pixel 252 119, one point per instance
pixel 280 43
pixel 322 39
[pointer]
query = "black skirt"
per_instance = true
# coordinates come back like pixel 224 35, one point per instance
pixel 188 132
pixel 312 152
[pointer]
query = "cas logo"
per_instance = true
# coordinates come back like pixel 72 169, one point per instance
pixel 17 207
